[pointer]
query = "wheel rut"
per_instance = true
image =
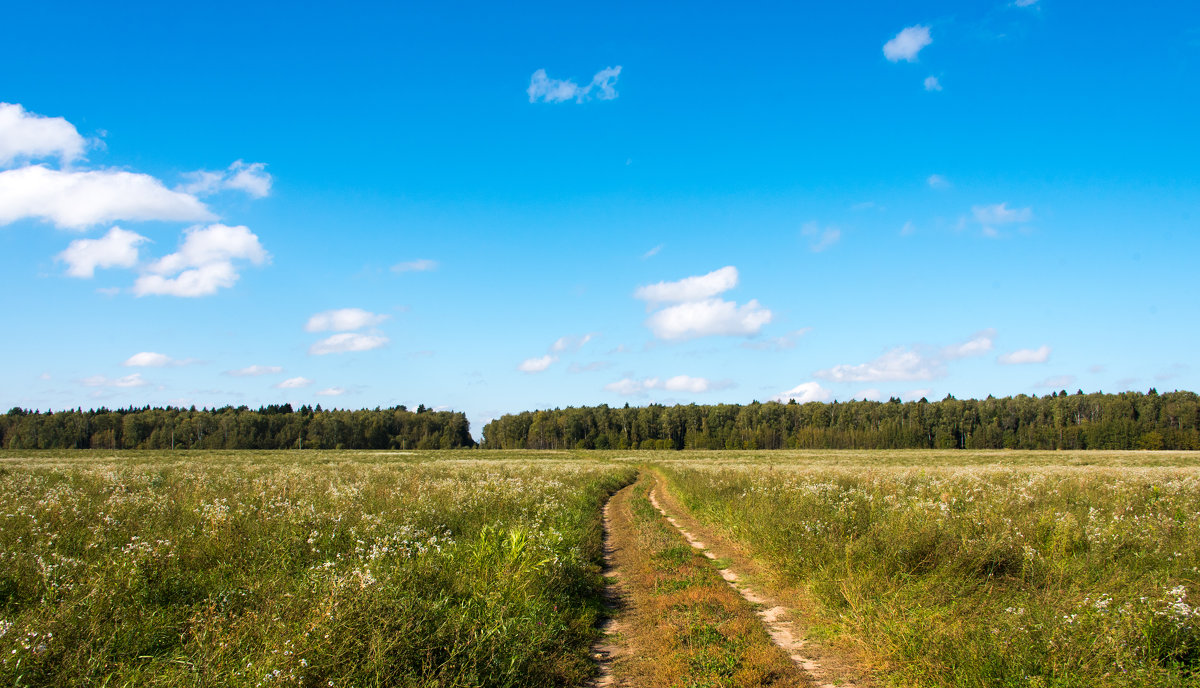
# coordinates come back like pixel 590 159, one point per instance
pixel 829 671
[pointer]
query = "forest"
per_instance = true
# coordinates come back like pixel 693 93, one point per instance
pixel 1129 420
pixel 268 427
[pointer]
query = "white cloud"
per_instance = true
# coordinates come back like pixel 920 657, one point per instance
pixel 251 178
pixel 915 394
pixel 343 319
pixel 1025 3
pixel 254 371
pixel 1057 382
pixel 907 44
pixel 204 262
pixel 347 342
pixel 707 318
pixel 629 386
pixel 76 200
pixel 134 380
pixel 571 343
pixel 536 365
pixel 419 265
pixel 652 252
pixel 979 344
pixel 896 364
pixel 1038 355
pixel 804 393
pixel 543 88
pixel 26 135
pixel 932 84
pixel 781 343
pixel 1000 213
pixel 690 288
pixel 293 383
pixel 870 394
pixel 331 392
pixel 908 229
pixel 149 359
pixel 116 249
pixel 823 239
pixel 937 181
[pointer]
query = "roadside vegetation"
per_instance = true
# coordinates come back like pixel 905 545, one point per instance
pixel 314 569
pixel 1021 571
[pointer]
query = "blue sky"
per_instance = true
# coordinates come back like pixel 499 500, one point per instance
pixel 496 209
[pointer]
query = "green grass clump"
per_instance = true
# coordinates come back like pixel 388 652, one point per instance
pixel 996 575
pixel 310 569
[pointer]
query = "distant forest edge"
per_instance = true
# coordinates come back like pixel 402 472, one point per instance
pixel 1129 420
pixel 269 427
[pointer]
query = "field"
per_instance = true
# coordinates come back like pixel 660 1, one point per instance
pixel 483 568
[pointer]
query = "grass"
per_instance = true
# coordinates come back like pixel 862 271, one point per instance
pixel 1004 569
pixel 685 626
pixel 310 569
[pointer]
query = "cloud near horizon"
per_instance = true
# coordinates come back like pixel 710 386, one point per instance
pixel 697 312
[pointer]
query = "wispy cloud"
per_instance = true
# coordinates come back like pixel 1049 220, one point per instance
pixel 251 178
pixel 151 359
pixel 544 89
pixel 652 252
pixel 937 181
pixel 819 239
pixel 255 371
pixel 906 44
pixel 343 319
pixel 293 383
pixel 134 380
pixel 347 342
pixel 781 343
pixel 905 363
pixel 572 343
pixel 932 84
pixel 1057 382
pixel 629 386
pixel 1021 356
pixel 536 365
pixel 419 265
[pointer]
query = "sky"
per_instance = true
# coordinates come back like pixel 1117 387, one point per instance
pixel 494 209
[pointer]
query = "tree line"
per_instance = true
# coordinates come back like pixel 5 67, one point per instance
pixel 1129 420
pixel 268 427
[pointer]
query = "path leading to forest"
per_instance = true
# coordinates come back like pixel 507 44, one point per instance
pixel 825 666
pixel 608 647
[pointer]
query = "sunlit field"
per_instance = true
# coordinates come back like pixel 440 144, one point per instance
pixel 312 569
pixel 1050 569
pixel 482 568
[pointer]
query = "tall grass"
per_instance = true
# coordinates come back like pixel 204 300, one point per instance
pixel 986 575
pixel 331 569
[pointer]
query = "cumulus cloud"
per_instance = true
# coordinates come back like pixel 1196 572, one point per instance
pixel 116 249
pixel 932 84
pixel 149 359
pixel 343 319
pixel 1000 214
pixel 134 380
pixel 804 393
pixel 347 342
pixel 571 344
pixel 293 383
pixel 28 136
pixel 255 371
pixel 252 178
pixel 536 365
pixel 819 239
pixel 547 90
pixel 77 200
pixel 979 344
pixel 897 364
pixel 1038 355
pixel 906 44
pixel 204 262
pixel 694 288
pixel 708 318
pixel 629 386
pixel 419 265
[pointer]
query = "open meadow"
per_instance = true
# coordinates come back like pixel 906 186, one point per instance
pixel 483 568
